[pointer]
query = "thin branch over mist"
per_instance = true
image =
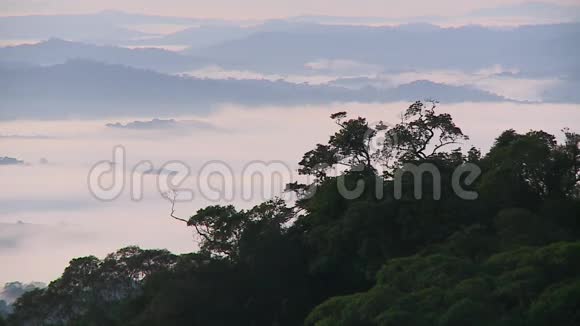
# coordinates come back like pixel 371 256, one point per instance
pixel 172 200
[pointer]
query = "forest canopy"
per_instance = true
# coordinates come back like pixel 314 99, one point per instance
pixel 508 256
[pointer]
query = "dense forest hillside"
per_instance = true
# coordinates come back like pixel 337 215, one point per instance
pixel 414 230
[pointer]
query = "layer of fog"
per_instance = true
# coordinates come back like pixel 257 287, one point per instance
pixel 61 220
pixel 498 80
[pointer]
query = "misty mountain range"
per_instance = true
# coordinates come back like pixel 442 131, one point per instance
pixel 82 88
pixel 536 11
pixel 104 26
pixel 537 50
pixel 55 51
pixel 116 27
pixel 60 78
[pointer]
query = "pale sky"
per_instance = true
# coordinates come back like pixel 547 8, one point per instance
pixel 260 9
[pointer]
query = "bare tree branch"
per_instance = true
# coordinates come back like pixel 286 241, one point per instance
pixel 172 214
pixel 441 144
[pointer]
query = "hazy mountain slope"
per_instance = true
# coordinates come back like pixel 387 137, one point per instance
pixel 541 49
pixel 280 47
pixel 56 51
pixel 88 89
pixel 116 26
pixel 537 10
pixel 202 36
pixel 104 26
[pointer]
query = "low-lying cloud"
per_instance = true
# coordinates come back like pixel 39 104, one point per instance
pixel 161 124
pixel 10 161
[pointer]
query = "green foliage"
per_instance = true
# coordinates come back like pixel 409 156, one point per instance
pixel 559 304
pixel 466 312
pixel 420 135
pixel 522 170
pixel 222 228
pixel 421 128
pixel 446 290
pixel 509 257
pixel 516 226
pixel 219 227
pixel 91 287
pixel 5 310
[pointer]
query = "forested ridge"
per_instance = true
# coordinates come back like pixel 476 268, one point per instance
pixel 510 256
